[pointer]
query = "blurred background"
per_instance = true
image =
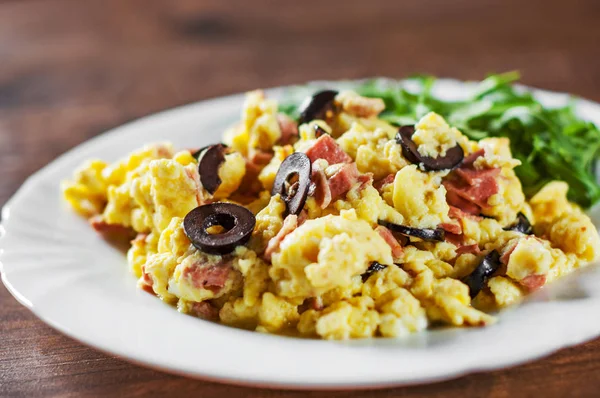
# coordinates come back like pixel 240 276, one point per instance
pixel 71 69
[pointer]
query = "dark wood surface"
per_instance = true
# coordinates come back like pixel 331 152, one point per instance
pixel 69 70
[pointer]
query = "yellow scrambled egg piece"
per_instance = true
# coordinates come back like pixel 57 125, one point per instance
pixel 258 129
pixel 419 197
pixel 374 151
pixel 333 250
pixel 434 136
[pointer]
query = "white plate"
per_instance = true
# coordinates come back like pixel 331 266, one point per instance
pixel 57 266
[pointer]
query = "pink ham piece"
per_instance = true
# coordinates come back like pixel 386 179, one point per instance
pixel 455 200
pixel 326 148
pixel 459 241
pixel 365 180
pixel 146 281
pixel 384 181
pixel 477 177
pixel 209 276
pixel 327 190
pixel 288 127
pixel 289 224
pixel 508 250
pixel 251 185
pixel 260 158
pixel 205 310
pixel 453 228
pixel 533 282
pixel 389 238
pixel 113 232
pixel 474 249
pixel 457 214
pixel 470 159
pixel 343 180
pixel 468 188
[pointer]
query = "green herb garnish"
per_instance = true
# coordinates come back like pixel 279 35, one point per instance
pixel 551 143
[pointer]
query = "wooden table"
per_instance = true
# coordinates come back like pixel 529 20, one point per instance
pixel 69 70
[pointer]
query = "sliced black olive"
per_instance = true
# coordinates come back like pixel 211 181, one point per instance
pixel 316 107
pixel 437 234
pixel 237 221
pixel 373 267
pixel 208 167
pixel 319 131
pixel 293 193
pixel 196 154
pixel 476 280
pixel 452 159
pixel 521 225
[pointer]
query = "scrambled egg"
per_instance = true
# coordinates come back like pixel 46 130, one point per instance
pixel 332 271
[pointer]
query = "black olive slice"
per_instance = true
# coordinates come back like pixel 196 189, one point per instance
pixel 476 280
pixel 373 267
pixel 454 156
pixel 521 225
pixel 237 221
pixel 196 154
pixel 437 234
pixel 293 193
pixel 208 167
pixel 316 107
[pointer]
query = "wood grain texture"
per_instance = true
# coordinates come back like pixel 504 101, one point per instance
pixel 71 69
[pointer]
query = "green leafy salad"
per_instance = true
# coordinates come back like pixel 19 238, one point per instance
pixel 551 143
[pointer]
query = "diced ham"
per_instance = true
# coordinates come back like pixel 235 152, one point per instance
pixel 343 180
pixel 470 159
pixel 322 192
pixel 205 310
pixel 326 190
pixel 260 158
pixel 533 282
pixel 326 148
pixel 289 224
pixel 455 200
pixel 508 250
pixel 454 228
pixel 250 184
pixel 469 189
pixel 456 240
pixel 146 281
pixel 384 181
pixel 289 129
pixel 457 214
pixel 389 238
pixel 113 232
pixel 209 276
pixel 477 177
pixel 365 180
pixel 474 249
pixel 477 194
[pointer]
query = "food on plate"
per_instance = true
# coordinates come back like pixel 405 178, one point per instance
pixel 338 220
